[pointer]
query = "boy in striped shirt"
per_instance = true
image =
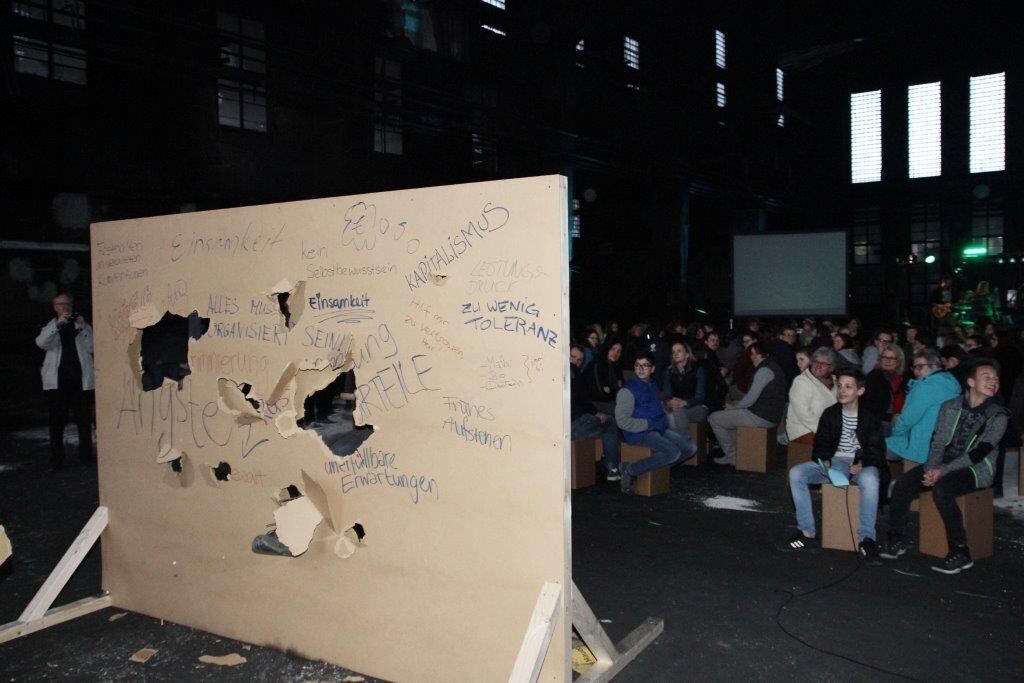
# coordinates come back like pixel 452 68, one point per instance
pixel 848 440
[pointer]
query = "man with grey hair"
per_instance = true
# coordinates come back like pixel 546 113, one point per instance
pixel 931 386
pixel 812 392
pixel 67 375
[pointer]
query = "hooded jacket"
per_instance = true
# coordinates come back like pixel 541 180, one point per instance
pixel 982 444
pixel 912 431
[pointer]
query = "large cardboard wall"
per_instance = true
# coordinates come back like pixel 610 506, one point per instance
pixel 450 304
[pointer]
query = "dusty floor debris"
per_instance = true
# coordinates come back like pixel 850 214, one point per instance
pixel 233 659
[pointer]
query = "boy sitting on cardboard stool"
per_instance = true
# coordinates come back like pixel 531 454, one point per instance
pixel 641 416
pixel 848 440
pixel 961 459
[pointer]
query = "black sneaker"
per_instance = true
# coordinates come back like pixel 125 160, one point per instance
pixel 894 546
pixel 797 543
pixel 868 551
pixel 625 478
pixel 613 474
pixel 955 562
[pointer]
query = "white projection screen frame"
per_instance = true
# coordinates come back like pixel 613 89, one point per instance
pixel 790 274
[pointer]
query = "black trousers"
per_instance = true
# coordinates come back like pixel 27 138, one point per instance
pixel 944 493
pixel 61 402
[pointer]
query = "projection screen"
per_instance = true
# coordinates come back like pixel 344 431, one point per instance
pixel 789 274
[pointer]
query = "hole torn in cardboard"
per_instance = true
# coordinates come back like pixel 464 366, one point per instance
pixel 289 299
pixel 164 344
pixel 296 521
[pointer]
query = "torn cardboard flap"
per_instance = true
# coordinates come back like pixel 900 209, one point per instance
pixel 318 497
pixel 5 546
pixel 168 454
pixel 144 316
pixel 296 521
pixel 235 402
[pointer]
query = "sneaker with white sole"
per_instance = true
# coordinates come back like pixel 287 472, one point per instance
pixel 798 543
pixel 613 474
pixel 895 546
pixel 955 562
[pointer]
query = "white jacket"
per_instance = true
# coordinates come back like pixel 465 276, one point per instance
pixel 49 341
pixel 808 398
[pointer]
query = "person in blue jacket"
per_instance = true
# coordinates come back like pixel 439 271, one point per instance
pixel 932 386
pixel 640 414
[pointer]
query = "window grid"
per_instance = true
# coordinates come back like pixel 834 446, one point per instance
pixel 780 84
pixel 243 43
pixel 576 228
pixel 500 4
pixel 719 49
pixel 631 52
pixel 388 133
pixel 988 123
pixel 866 136
pixel 720 94
pixel 925 240
pixel 69 13
pixel 924 130
pixel 867 256
pixel 50 60
pixel 987 226
pixel 485 152
pixel 581 51
pixel 242 105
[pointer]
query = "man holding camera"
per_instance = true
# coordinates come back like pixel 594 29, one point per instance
pixel 67 374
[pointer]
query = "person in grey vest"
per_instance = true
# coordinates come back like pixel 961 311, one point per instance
pixel 67 375
pixel 762 406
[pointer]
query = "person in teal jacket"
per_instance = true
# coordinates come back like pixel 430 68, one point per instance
pixel 912 430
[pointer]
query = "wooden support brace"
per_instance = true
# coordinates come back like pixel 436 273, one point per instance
pixel 611 659
pixel 590 629
pixel 538 635
pixel 57 615
pixel 38 614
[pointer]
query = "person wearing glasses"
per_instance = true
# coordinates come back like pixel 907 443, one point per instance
pixel 762 406
pixel 884 393
pixel 641 416
pixel 812 392
pixel 869 359
pixel 931 387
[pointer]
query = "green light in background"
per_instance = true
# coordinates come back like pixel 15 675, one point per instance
pixel 930 258
pixel 974 252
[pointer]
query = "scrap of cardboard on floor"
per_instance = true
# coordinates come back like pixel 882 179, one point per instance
pixel 119 615
pixel 143 655
pixel 233 659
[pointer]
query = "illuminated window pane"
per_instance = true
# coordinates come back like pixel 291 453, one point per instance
pixel 866 136
pixel 924 130
pixel 631 52
pixel 719 49
pixel 780 84
pixel 988 123
pixel 720 94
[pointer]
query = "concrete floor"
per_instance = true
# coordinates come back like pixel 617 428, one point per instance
pixel 734 607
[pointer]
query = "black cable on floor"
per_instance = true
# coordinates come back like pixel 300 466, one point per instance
pixel 793 596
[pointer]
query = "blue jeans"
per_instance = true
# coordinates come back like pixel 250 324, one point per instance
pixel 587 426
pixel 667 449
pixel 805 474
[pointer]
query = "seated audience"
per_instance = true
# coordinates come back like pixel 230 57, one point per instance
pixel 587 421
pixel 641 417
pixel 783 350
pixel 761 406
pixel 684 387
pixel 812 392
pixel 715 387
pixel 848 440
pixel 961 459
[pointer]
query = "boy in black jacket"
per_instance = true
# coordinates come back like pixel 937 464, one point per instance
pixel 849 440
